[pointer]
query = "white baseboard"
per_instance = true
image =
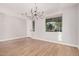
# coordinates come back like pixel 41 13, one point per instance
pixel 12 38
pixel 58 42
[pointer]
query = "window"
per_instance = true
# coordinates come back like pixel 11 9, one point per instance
pixel 54 24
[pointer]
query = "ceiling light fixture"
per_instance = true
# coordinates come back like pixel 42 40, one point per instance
pixel 35 13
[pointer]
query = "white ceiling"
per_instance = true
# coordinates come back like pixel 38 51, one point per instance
pixel 25 7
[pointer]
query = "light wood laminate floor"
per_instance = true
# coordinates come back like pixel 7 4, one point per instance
pixel 33 47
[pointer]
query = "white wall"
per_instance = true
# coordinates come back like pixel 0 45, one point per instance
pixel 28 27
pixel 69 34
pixel 11 27
pixel 70 24
pixel 78 23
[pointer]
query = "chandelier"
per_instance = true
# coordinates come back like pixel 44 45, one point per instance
pixel 35 13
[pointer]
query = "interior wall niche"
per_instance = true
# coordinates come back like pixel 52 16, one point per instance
pixel 54 24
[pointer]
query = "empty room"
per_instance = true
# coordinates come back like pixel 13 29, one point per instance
pixel 39 29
